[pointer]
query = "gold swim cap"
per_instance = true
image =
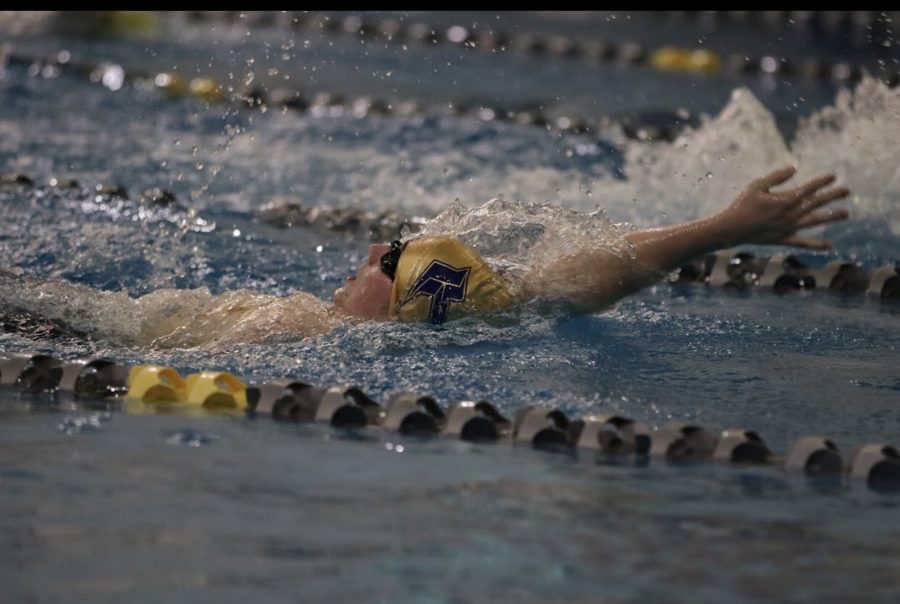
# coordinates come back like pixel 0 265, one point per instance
pixel 439 278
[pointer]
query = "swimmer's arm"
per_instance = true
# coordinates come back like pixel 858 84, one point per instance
pixel 756 216
pixel 595 279
pixel 283 320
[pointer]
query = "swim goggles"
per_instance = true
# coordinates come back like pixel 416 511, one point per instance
pixel 390 259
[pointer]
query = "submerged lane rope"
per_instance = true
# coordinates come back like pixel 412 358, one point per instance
pixel 281 212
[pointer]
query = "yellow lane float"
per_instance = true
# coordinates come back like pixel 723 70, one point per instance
pixel 155 384
pixel 671 58
pixel 218 390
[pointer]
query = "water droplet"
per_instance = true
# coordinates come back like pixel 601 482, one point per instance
pixel 84 423
pixel 457 34
pixel 190 438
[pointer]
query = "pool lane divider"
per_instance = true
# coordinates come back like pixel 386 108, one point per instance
pixel 150 388
pixel 280 212
pixel 785 273
pixel 700 61
pixel 649 127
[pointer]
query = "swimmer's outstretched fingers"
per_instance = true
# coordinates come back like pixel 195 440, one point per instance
pixel 808 197
pixel 779 176
pixel 761 216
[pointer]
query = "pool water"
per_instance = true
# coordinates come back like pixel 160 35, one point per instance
pixel 106 506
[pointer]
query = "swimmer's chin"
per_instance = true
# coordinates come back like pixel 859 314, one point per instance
pixel 337 304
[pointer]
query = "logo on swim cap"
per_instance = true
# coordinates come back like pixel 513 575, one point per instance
pixel 439 279
pixel 443 284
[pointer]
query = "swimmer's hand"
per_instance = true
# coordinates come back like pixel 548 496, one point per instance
pixel 593 279
pixel 762 216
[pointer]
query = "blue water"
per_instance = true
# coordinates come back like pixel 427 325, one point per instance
pixel 101 507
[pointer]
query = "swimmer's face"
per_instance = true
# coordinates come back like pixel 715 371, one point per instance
pixel 368 294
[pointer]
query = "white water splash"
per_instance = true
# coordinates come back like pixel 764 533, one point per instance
pixel 857 139
pixel 701 171
pixel 704 169
pixel 517 235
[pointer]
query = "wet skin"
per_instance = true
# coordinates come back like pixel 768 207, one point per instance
pixel 368 294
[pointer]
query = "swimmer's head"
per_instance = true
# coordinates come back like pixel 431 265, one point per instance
pixel 367 294
pixel 438 278
pixel 427 279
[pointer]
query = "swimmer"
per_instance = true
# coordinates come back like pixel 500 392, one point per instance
pixel 437 278
pixel 431 278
